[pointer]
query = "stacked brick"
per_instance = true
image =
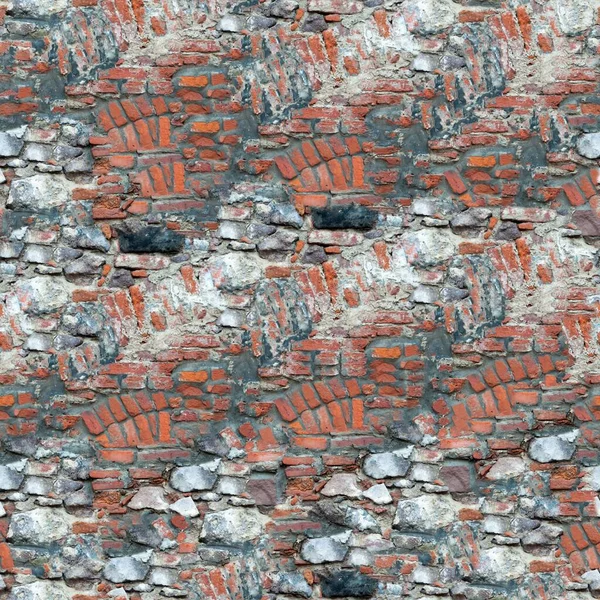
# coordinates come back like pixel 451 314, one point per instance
pixel 299 299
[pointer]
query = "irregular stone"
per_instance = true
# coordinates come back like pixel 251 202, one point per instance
pixel 360 519
pixel 498 565
pixel 545 535
pixel 39 526
pixel 344 217
pixel 425 513
pixel 405 431
pixel 41 590
pixel 587 222
pixel 425 62
pixel 11 142
pixel 231 486
pixel 325 549
pixel 475 217
pixel 235 271
pixel 38 8
pixel 451 62
pixel 291 583
pixel 121 278
pixel 186 507
pixel 127 568
pixel 507 231
pixel 37 486
pixel 231 230
pixel 233 526
pixel 195 478
pixel 88 264
pixel 284 214
pixel 281 241
pixel 425 294
pixel 90 238
pixel 430 16
pixel 553 448
pixel 314 23
pixel 149 240
pixel 259 22
pixel 386 464
pixel 11 476
pixel 456 478
pixel 588 145
pixel 348 584
pixel 232 318
pixel 342 484
pixel 378 494
pixel 145 534
pixel 314 255
pixel 231 23
pixel 149 497
pixel 37 152
pixel 341 7
pixel 574 16
pixel 163 577
pixel 38 342
pixel 84 163
pixel 506 467
pixel 285 9
pixel 38 193
pixel 263 491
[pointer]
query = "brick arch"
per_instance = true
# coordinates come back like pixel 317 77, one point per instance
pixel 506 388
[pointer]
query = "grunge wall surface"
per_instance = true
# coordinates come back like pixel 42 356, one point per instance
pixel 299 299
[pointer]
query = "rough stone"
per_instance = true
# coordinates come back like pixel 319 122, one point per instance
pixel 506 467
pixel 40 526
pixel 11 142
pixel 498 565
pixel 378 494
pixel 344 217
pixel 149 497
pixel 11 476
pixel 150 239
pixel 325 549
pixel 186 507
pixel 127 568
pixel 553 448
pixel 291 583
pixel 386 464
pixel 233 526
pixel 346 584
pixel 194 478
pixel 38 193
pixel 342 484
pixel 425 513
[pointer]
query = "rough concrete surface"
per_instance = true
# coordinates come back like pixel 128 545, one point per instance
pixel 299 299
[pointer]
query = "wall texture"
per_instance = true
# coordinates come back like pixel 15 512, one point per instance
pixel 299 298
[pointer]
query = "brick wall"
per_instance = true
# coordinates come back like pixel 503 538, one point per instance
pixel 299 298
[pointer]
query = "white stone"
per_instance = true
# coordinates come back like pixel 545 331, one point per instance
pixel 235 271
pixel 507 467
pixel 231 23
pixel 186 507
pixel 502 564
pixel 11 475
pixel 40 526
pixel 11 141
pixel 378 494
pixel 325 549
pixel 40 295
pixel 149 497
pixel 386 464
pixel 588 145
pixel 342 484
pixel 195 477
pixel 575 16
pixel 233 526
pixel 41 590
pixel 39 8
pixel 553 448
pixel 425 294
pixel 39 192
pixel 425 513
pixel 127 568
pixel 426 63
pixel 430 16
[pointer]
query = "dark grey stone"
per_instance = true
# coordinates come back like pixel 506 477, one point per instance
pixel 507 231
pixel 344 217
pixel 314 23
pixel 345 584
pixel 150 239
pixel 285 9
pixel 314 255
pixel 121 278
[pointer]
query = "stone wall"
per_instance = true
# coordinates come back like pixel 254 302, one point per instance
pixel 299 299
